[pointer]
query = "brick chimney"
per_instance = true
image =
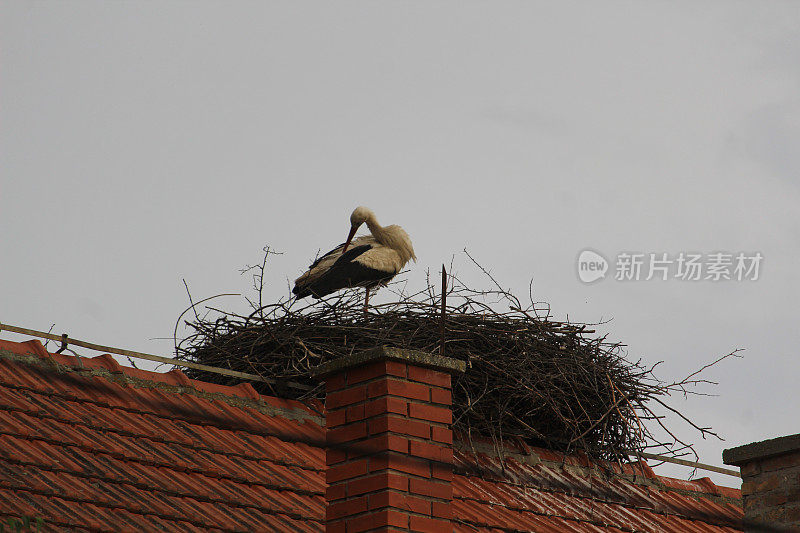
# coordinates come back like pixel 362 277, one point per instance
pixel 389 443
pixel 770 482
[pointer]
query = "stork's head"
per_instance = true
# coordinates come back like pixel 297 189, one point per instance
pixel 359 215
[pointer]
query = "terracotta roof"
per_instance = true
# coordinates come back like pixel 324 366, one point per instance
pixel 88 444
pixel 539 490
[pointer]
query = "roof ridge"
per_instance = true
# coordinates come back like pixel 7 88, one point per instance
pixel 174 381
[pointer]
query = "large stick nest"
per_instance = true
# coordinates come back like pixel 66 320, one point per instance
pixel 552 383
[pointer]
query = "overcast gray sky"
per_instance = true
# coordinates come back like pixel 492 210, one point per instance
pixel 144 143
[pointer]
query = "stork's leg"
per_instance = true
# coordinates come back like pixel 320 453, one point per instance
pixel 366 301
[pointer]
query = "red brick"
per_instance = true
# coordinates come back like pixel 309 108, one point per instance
pixel 402 463
pixel 442 396
pixel 386 405
pixel 381 443
pixel 404 426
pixel 750 469
pixel 335 492
pixel 379 424
pixel 344 397
pixel 775 498
pixel 432 525
pixel 386 517
pixel 336 527
pixel 335 418
pixel 792 514
pixel 396 368
pixel 397 444
pixel 767 484
pixel 431 488
pixel 334 511
pixel 346 471
pixel 365 372
pixel 395 387
pixel 335 382
pixel 440 434
pixel 434 452
pixel 780 462
pixel 376 370
pixel 792 488
pixel 346 433
pixel 376 482
pixel 333 456
pixel 355 413
pixel 399 500
pixel 430 413
pixel 431 377
pixel 442 471
pixel 442 510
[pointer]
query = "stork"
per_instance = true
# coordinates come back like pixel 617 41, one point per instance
pixel 368 261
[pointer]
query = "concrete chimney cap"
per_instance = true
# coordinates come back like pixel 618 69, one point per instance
pixel 415 357
pixel 761 450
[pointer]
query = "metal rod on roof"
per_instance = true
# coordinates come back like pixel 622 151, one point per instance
pixel 150 357
pixel 702 466
pixel 444 309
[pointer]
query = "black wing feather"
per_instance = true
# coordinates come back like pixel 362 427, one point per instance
pixel 346 272
pixel 320 258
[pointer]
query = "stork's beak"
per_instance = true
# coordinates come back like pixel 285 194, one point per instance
pixel 353 230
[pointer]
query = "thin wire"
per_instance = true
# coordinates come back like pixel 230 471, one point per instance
pixel 150 357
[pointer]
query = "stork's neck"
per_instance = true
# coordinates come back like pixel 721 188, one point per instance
pixel 394 237
pixel 377 230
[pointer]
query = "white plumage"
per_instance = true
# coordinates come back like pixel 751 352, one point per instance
pixel 368 261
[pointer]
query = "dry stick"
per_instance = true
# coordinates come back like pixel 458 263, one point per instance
pixel 641 433
pixel 616 404
pixel 702 431
pixel 630 406
pixel 685 380
pixel 608 412
pixel 177 322
pixel 158 358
